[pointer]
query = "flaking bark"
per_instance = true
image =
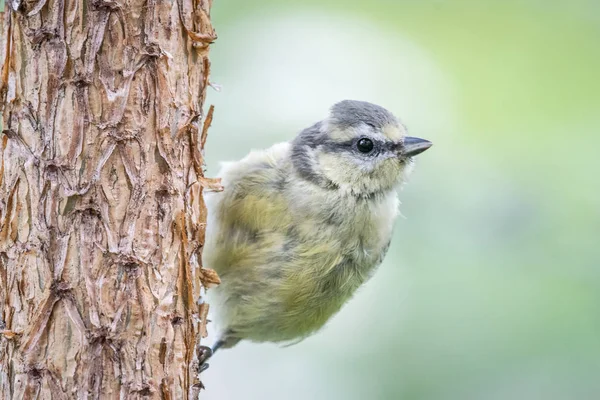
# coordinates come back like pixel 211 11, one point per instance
pixel 101 210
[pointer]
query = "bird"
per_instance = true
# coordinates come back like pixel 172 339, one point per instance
pixel 300 226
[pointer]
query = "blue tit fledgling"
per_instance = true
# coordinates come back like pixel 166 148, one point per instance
pixel 300 226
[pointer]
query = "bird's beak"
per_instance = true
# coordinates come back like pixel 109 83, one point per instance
pixel 413 146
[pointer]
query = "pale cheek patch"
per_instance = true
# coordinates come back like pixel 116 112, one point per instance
pixel 337 169
pixel 393 133
pixel 390 173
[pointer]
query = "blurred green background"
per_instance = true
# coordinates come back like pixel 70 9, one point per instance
pixel 491 288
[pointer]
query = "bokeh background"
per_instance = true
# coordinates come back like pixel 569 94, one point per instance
pixel 491 288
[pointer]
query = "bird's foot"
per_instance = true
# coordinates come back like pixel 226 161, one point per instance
pixel 204 354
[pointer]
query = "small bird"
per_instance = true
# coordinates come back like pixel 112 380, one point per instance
pixel 302 225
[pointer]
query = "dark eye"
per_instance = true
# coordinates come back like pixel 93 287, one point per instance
pixel 364 145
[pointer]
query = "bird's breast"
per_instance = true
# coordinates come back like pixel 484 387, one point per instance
pixel 326 259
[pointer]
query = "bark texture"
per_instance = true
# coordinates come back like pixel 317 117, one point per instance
pixel 101 210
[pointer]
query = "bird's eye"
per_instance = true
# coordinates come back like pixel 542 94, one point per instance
pixel 364 145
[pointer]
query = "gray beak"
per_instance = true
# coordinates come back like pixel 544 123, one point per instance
pixel 413 146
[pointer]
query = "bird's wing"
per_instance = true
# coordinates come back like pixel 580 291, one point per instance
pixel 247 219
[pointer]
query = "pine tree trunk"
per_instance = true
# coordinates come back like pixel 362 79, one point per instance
pixel 101 210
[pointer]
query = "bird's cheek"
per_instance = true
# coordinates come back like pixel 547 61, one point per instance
pixel 394 170
pixel 336 168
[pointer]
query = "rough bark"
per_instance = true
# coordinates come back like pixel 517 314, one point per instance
pixel 101 210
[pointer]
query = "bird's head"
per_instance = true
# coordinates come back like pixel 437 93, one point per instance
pixel 360 148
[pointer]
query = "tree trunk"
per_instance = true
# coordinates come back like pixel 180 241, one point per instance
pixel 101 210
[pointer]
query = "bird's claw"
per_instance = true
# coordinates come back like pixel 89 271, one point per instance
pixel 204 353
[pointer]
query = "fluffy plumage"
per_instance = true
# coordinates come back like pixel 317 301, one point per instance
pixel 301 225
